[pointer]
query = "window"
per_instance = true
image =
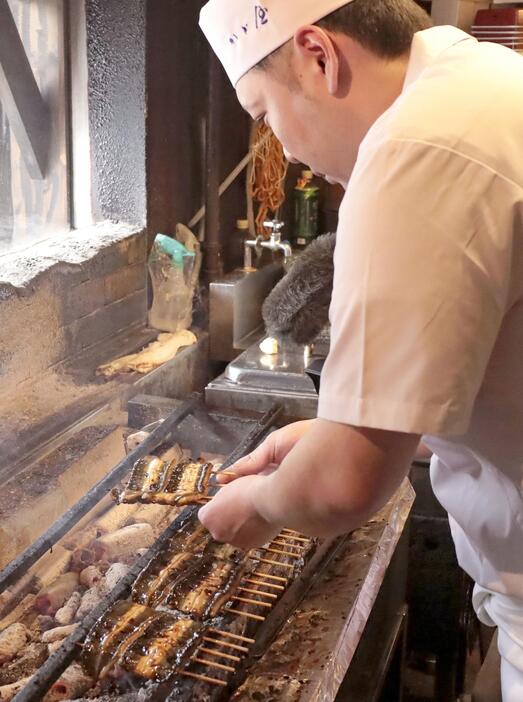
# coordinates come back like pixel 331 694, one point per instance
pixel 33 122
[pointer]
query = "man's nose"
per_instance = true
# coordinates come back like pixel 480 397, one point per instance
pixel 289 158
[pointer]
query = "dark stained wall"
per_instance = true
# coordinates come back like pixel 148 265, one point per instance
pixel 176 89
pixel 177 105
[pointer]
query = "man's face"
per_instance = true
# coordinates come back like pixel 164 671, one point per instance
pixel 320 95
pixel 300 118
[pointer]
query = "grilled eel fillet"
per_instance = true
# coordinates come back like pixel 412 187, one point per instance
pixel 177 483
pixel 180 556
pixel 130 639
pixel 198 585
pixel 194 538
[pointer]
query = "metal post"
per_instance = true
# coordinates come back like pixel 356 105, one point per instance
pixel 213 264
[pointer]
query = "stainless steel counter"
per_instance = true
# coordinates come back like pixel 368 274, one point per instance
pixel 255 381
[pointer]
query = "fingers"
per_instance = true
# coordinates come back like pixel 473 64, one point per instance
pixel 231 475
pixel 260 460
pixel 223 477
pixel 269 455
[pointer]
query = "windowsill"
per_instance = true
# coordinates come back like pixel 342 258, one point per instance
pixel 22 267
pixel 60 302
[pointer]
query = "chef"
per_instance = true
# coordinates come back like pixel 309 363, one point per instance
pixel 423 126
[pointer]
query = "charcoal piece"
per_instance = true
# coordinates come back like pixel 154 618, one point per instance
pixel 123 542
pixel 31 658
pixel 52 597
pixel 71 684
pixel 12 641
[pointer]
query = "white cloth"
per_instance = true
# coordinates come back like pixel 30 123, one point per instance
pixel 243 32
pixel 427 310
pixel 507 614
pixel 511 682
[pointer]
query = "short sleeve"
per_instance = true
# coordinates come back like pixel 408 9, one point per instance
pixel 422 269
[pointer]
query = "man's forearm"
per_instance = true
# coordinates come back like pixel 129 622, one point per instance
pixel 335 479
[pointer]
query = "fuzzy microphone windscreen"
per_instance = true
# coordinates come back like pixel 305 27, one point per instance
pixel 298 307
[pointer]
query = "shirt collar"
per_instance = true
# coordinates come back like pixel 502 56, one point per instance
pixel 428 44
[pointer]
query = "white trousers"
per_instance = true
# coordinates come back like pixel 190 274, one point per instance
pixel 507 614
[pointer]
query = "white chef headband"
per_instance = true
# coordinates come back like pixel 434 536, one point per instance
pixel 243 32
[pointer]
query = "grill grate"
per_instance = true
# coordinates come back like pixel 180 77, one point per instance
pixel 269 589
pixel 40 683
pixel 20 565
pixel 261 601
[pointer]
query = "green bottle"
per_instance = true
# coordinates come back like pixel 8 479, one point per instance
pixel 306 210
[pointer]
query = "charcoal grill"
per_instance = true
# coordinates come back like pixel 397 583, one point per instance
pixel 221 662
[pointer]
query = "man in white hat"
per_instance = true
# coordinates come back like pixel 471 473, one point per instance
pixel 424 128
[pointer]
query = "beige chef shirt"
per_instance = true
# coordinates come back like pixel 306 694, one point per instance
pixel 427 309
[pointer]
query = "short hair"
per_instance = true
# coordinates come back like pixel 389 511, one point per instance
pixel 385 27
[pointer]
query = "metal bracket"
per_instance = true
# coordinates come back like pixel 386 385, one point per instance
pixel 28 114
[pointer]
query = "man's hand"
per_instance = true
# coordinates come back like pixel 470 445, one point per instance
pixel 269 454
pixel 332 479
pixel 335 478
pixel 231 516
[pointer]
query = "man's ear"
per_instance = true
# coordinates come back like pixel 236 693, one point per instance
pixel 312 43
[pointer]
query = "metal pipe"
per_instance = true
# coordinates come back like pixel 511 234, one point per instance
pixel 224 186
pixel 274 243
pixel 20 565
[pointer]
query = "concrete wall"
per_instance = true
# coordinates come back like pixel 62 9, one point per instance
pixel 116 41
pixel 71 294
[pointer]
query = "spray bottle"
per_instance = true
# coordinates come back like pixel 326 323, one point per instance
pixel 306 210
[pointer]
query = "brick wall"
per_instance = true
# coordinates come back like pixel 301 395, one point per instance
pixel 64 298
